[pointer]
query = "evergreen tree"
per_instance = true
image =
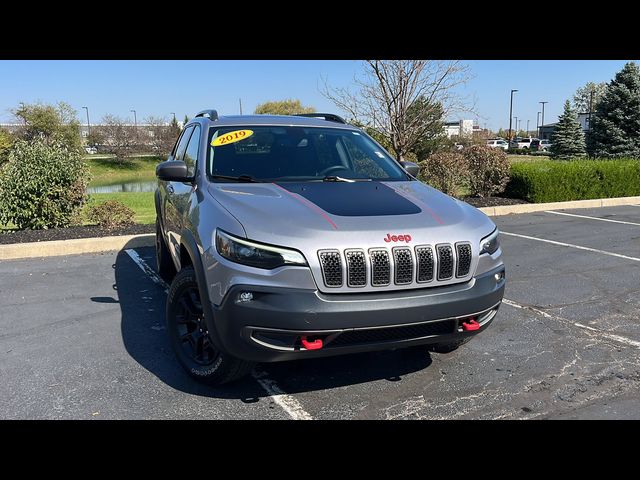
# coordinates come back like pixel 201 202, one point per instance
pixel 567 140
pixel 615 124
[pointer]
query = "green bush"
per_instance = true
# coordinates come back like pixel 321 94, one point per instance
pixel 43 185
pixel 574 180
pixel 446 171
pixel 488 170
pixel 111 214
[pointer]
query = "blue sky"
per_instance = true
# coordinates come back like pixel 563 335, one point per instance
pixel 184 87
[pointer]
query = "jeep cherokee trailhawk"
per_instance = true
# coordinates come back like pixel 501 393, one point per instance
pixel 290 237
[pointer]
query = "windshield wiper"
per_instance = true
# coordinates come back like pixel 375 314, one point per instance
pixel 239 178
pixel 335 178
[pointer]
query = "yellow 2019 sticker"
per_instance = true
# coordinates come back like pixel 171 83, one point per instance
pixel 231 137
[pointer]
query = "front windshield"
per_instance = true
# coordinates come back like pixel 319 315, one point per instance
pixel 279 153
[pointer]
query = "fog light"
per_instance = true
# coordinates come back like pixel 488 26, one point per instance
pixel 499 276
pixel 245 297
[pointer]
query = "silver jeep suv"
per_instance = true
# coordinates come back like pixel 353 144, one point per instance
pixel 291 237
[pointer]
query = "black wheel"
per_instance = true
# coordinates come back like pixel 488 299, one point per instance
pixel 448 347
pixel 163 259
pixel 190 338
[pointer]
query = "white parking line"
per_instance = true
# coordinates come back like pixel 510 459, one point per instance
pixel 287 402
pixel 144 266
pixel 594 331
pixel 579 247
pixel 592 218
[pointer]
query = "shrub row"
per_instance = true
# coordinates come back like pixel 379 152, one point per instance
pixel 527 151
pixel 574 180
pixel 480 170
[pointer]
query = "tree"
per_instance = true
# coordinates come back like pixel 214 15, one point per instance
pixel 55 122
pixel 6 142
pixel 615 124
pixel 567 140
pixel 163 134
pixel 95 138
pixel 502 133
pixel 120 137
pixel 283 107
pixel 582 97
pixel 387 91
pixel 185 121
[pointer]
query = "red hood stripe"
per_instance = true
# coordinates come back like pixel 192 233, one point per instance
pixel 418 202
pixel 309 204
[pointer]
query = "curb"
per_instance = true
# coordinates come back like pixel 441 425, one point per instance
pixel 540 207
pixel 74 246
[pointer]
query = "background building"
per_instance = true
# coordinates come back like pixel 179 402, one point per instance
pixel 461 128
pixel 547 130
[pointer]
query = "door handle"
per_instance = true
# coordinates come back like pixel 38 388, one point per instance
pixel 170 188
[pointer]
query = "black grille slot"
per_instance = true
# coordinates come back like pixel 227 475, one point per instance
pixel 380 268
pixel 390 334
pixel 464 259
pixel 331 265
pixel 403 265
pixel 425 264
pixel 445 262
pixel 356 268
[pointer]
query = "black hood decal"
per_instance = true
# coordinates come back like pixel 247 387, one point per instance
pixel 357 199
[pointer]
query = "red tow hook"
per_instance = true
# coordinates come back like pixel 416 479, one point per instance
pixel 315 345
pixel 471 325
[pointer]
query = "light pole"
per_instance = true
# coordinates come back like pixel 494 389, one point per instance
pixel 590 106
pixel 135 123
pixel 88 124
pixel 527 127
pixel 516 126
pixel 519 125
pixel 538 124
pixel 542 124
pixel 511 112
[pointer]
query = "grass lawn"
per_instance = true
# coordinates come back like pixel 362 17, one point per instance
pixel 140 202
pixel 107 171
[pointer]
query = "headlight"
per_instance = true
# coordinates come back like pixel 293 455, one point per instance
pixel 255 254
pixel 490 244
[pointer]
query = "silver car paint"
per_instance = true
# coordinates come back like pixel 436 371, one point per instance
pixel 264 212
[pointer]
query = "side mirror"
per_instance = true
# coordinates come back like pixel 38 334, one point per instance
pixel 173 171
pixel 411 168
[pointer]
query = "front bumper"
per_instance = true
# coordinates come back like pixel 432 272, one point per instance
pixel 268 328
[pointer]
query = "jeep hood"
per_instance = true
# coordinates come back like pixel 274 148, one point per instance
pixel 313 215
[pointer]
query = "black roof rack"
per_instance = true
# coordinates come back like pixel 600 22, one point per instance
pixel 212 114
pixel 330 117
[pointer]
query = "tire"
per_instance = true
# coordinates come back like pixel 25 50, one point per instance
pixel 189 336
pixel 449 347
pixel 166 269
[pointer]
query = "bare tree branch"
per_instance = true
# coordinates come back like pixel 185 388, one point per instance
pixel 385 95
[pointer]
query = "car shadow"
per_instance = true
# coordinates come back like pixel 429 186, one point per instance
pixel 142 305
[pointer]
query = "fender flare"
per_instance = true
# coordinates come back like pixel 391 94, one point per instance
pixel 189 242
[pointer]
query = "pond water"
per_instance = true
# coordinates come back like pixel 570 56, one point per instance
pixel 136 186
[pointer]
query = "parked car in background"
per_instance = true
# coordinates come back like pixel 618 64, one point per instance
pixel 521 142
pixel 540 145
pixel 458 146
pixel 498 143
pixel 91 150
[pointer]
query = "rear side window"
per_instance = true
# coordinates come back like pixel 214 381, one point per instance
pixel 182 144
pixel 191 153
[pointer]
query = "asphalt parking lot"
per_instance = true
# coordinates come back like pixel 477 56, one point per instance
pixel 83 337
